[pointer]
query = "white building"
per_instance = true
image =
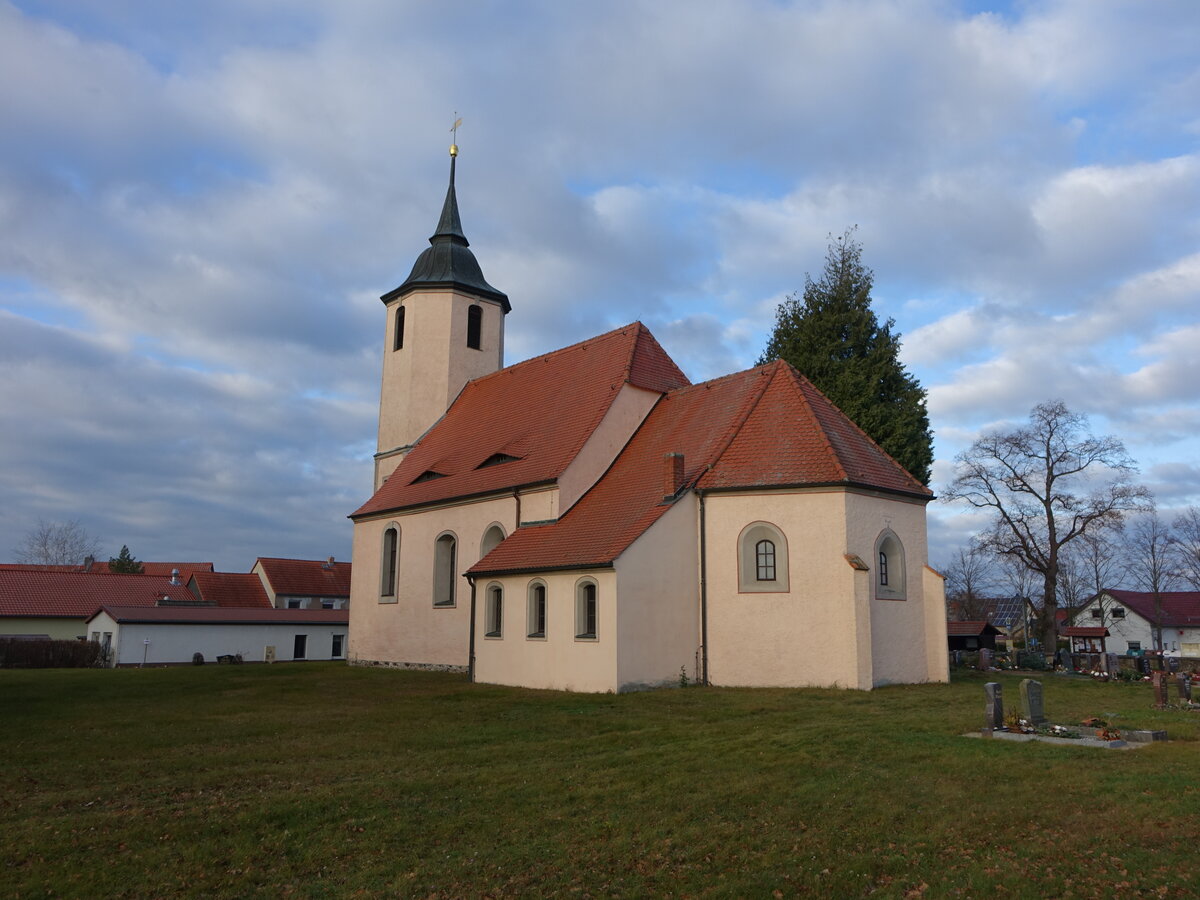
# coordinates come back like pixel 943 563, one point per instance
pixel 171 635
pixel 1135 620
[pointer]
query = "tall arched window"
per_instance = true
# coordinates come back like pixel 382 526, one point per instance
pixel 494 612
pixel 444 564
pixel 398 337
pixel 389 563
pixel 889 567
pixel 474 325
pixel 762 559
pixel 586 610
pixel 537 610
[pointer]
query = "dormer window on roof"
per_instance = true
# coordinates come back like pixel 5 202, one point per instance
pixel 427 475
pixel 496 459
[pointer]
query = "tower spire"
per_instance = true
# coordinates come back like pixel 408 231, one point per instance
pixel 448 261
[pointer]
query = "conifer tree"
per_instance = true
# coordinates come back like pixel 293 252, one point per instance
pixel 124 563
pixel 833 338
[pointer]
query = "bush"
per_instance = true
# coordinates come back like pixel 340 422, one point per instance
pixel 19 654
pixel 197 659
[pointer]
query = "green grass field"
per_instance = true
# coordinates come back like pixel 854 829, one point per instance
pixel 320 780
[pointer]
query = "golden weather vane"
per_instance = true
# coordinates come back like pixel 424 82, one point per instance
pixel 454 131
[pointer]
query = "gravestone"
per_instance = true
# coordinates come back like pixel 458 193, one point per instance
pixel 1184 685
pixel 1031 701
pixel 985 659
pixel 1173 663
pixel 993 711
pixel 1067 662
pixel 1112 663
pixel 1159 682
pixel 1143 665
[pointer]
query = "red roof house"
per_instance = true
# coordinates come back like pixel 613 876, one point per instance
pixel 304 583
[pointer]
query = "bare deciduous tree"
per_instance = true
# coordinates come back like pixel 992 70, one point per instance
pixel 1148 560
pixel 57 544
pixel 1048 483
pixel 1186 545
pixel 969 578
pixel 1099 560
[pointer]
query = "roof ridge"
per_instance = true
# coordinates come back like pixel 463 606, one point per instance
pixel 797 374
pixel 559 352
pixel 736 423
pixel 812 414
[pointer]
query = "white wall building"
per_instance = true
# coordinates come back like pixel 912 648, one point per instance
pixel 171 635
pixel 1136 620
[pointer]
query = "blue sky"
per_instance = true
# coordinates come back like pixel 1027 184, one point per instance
pixel 200 205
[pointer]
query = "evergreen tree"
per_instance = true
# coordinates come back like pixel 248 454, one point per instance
pixel 833 338
pixel 125 563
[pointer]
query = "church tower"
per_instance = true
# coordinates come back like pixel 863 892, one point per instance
pixel 445 326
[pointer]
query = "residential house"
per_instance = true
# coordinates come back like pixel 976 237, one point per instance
pixel 1136 620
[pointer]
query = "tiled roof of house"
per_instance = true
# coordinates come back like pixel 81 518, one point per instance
pixel 759 428
pixel 78 594
pixel 540 411
pixel 971 628
pixel 186 569
pixel 230 589
pixel 307 577
pixel 208 615
pixel 1085 631
pixel 1180 609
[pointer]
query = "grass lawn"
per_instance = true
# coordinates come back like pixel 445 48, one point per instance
pixel 321 780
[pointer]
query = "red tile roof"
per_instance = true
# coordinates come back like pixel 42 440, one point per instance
pixel 307 577
pixel 208 615
pixel 540 411
pixel 230 589
pixel 970 628
pixel 766 426
pixel 186 569
pixel 1081 631
pixel 1180 609
pixel 78 594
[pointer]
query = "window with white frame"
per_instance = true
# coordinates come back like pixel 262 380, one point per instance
pixel 889 568
pixel 1118 612
pixel 445 552
pixel 586 610
pixel 494 611
pixel 762 559
pixel 537 610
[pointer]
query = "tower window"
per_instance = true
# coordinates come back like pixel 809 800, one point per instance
pixel 398 339
pixel 474 325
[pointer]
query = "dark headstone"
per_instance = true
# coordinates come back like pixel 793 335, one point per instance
pixel 985 659
pixel 1112 663
pixel 1143 665
pixel 1032 707
pixel 1067 662
pixel 1184 685
pixel 993 710
pixel 1173 663
pixel 1159 682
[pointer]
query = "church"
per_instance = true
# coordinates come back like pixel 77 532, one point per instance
pixel 590 520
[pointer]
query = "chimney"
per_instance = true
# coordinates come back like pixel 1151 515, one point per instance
pixel 328 565
pixel 174 576
pixel 672 474
pixel 87 563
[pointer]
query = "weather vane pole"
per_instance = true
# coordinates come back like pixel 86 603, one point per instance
pixel 454 131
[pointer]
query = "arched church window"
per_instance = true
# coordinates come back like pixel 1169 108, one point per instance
pixel 494 613
pixel 398 338
pixel 537 610
pixel 762 554
pixel 889 571
pixel 585 610
pixel 389 560
pixel 474 326
pixel 445 550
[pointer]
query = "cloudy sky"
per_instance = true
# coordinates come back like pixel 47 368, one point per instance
pixel 200 204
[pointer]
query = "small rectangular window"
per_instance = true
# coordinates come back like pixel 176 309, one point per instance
pixel 337 651
pixel 1135 645
pixel 474 326
pixel 293 604
pixel 398 339
pixel 327 604
pixel 1119 612
pixel 1095 613
pixel 764 553
pixel 883 572
pixel 300 646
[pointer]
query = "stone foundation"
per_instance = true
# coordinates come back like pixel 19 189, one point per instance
pixel 419 667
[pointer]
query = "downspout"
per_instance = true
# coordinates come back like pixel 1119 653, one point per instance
pixel 471 641
pixel 703 595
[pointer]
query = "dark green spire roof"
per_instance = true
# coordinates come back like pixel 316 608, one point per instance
pixel 448 261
